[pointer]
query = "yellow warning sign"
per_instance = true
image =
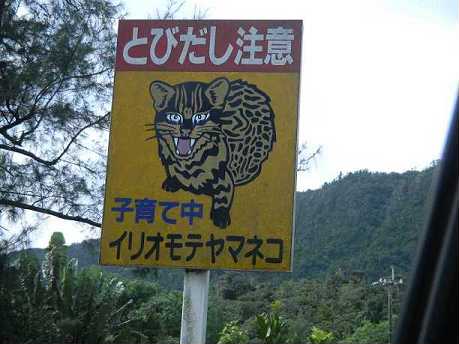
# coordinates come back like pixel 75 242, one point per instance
pixel 202 153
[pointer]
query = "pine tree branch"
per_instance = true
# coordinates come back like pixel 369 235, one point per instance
pixel 43 92
pixel 25 206
pixel 67 147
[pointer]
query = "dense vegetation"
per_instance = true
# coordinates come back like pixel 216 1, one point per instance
pixel 56 302
pixel 347 234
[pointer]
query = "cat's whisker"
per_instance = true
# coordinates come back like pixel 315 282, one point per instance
pixel 169 130
pixel 165 126
pixel 159 128
pixel 150 138
pixel 150 129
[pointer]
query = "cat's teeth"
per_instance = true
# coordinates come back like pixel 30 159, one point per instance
pixel 176 141
pixel 192 142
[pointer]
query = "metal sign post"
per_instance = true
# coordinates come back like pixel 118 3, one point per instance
pixel 194 308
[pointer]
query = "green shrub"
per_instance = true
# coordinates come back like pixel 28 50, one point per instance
pixel 319 336
pixel 233 334
pixel 271 328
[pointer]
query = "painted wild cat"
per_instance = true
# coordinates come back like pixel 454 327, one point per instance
pixel 212 137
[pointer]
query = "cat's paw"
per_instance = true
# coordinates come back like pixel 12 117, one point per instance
pixel 171 185
pixel 220 217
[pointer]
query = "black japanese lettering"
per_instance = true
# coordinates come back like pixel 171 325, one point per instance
pixel 235 251
pixel 255 252
pixel 156 239
pixel 140 251
pixel 118 243
pixel 193 244
pixel 172 245
pixel 213 243
pixel 278 259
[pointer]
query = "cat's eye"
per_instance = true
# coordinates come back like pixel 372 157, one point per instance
pixel 174 117
pixel 200 117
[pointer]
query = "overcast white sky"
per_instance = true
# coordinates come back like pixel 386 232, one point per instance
pixel 379 79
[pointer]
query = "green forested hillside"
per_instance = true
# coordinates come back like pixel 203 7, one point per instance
pixel 363 221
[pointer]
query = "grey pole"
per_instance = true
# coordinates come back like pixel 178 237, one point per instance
pixel 194 307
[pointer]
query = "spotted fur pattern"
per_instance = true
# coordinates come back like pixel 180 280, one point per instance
pixel 212 137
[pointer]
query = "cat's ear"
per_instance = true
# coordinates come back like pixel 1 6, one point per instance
pixel 161 93
pixel 217 91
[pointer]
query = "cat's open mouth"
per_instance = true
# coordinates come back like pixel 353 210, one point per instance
pixel 184 145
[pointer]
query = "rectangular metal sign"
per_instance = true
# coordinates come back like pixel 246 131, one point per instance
pixel 202 153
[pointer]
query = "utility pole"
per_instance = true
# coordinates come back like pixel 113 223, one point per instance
pixel 389 283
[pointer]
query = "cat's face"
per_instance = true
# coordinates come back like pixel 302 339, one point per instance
pixel 187 114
